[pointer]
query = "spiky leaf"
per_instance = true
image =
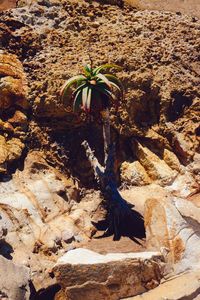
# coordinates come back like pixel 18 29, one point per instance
pixel 106 66
pixel 85 96
pixel 87 67
pixel 69 83
pixel 115 82
pixel 77 101
pixel 104 79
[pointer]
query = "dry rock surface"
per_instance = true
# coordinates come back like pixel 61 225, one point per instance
pixel 40 217
pixel 84 274
pixel 48 198
pixel 14 287
pixel 185 286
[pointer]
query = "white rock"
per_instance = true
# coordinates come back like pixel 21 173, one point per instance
pixel 14 280
pixel 85 275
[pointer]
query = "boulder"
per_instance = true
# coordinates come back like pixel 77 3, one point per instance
pixel 14 280
pixel 185 184
pixel 189 212
pixel 166 228
pixel 134 173
pixel 13 85
pixel 84 274
pixel 171 159
pixel 5 126
pixel 156 168
pixel 15 148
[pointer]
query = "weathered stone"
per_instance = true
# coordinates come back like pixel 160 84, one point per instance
pixel 5 126
pixel 60 296
pixel 35 213
pixel 7 4
pixel 156 168
pixel 189 212
pixel 13 86
pixel 184 286
pixel 165 227
pixel 184 185
pixel 134 173
pixel 171 159
pixel 15 148
pixel 84 274
pixel 67 236
pixel 3 154
pixel 18 118
pixel 194 168
pixel 14 280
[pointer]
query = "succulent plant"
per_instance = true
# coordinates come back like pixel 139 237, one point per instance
pixel 93 89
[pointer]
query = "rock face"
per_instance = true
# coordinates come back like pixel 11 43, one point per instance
pixel 7 4
pixel 159 53
pixel 14 281
pixel 168 226
pixel 84 274
pixel 13 82
pixel 40 216
pixel 134 173
pixel 13 122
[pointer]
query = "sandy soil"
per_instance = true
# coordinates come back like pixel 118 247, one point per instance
pixel 136 196
pixel 107 245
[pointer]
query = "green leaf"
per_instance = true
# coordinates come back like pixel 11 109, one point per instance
pixel 80 88
pixel 69 83
pixel 77 100
pixel 88 103
pixel 85 96
pixel 106 66
pixel 104 79
pixel 87 67
pixel 115 82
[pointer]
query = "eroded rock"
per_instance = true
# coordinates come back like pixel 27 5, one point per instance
pixel 156 168
pixel 37 216
pixel 13 82
pixel 3 154
pixel 167 228
pixel 182 287
pixel 13 92
pixel 84 274
pixel 14 280
pixel 134 173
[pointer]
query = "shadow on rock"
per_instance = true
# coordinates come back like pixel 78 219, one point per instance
pixel 122 222
pixel 47 294
pixel 6 249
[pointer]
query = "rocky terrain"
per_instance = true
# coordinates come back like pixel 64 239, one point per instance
pixel 49 200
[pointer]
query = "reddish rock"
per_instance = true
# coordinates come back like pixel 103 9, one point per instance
pixel 12 82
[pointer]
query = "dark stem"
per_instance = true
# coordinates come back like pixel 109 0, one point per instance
pixel 122 220
pixel 106 132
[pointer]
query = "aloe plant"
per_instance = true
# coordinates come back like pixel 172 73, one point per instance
pixel 95 92
pixel 93 88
